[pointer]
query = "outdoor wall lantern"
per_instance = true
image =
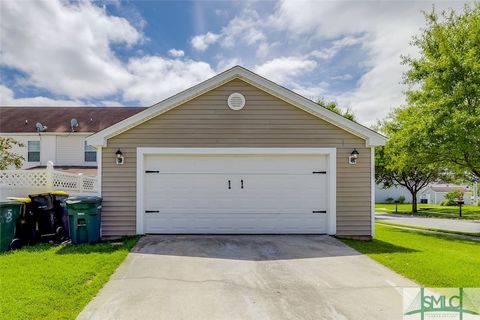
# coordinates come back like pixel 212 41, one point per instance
pixel 119 157
pixel 352 159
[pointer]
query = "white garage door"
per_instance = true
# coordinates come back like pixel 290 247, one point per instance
pixel 235 193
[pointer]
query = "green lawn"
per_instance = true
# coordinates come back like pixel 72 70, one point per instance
pixel 432 210
pixel 428 259
pixel 56 282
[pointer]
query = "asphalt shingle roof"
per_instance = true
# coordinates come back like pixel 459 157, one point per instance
pixel 57 119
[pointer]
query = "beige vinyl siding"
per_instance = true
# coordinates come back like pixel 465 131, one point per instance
pixel 206 121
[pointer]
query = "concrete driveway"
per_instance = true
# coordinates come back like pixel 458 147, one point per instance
pixel 248 277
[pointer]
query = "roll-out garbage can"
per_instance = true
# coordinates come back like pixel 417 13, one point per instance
pixel 48 225
pixel 26 226
pixel 9 213
pixel 84 218
pixel 59 198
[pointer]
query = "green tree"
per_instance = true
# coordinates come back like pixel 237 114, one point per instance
pixel 402 161
pixel 444 89
pixel 7 157
pixel 333 106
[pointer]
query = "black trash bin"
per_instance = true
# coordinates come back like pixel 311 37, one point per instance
pixel 47 224
pixel 59 198
pixel 26 226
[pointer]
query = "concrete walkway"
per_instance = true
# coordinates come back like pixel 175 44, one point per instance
pixel 468 226
pixel 248 277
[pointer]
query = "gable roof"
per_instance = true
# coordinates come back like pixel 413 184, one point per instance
pixel 371 137
pixel 57 119
pixel 448 188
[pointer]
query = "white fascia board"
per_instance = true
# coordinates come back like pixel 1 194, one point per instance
pixel 371 137
pixel 45 133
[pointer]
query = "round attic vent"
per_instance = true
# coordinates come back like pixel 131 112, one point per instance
pixel 236 101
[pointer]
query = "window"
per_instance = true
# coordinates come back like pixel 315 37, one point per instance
pixel 33 151
pixel 90 153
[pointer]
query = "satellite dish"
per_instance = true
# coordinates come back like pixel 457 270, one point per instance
pixel 40 127
pixel 73 124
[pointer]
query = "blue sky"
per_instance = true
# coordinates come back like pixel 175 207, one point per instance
pixel 136 53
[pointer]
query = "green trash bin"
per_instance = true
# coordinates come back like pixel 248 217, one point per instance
pixel 9 213
pixel 84 218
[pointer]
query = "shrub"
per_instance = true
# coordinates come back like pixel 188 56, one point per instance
pixel 401 199
pixel 389 200
pixel 452 197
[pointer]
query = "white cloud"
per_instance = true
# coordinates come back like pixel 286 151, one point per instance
pixel 65 47
pixel 201 42
pixel 330 52
pixel 346 76
pixel 312 92
pixel 7 98
pixel 157 78
pixel 385 30
pixel 111 103
pixel 245 29
pixel 284 69
pixel 263 50
pixel 225 64
pixel 176 53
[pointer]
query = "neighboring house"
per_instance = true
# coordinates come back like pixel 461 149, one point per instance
pixel 237 154
pixel 59 142
pixel 382 194
pixel 435 193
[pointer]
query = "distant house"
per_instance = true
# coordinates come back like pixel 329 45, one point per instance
pixel 58 134
pixel 382 194
pixel 435 193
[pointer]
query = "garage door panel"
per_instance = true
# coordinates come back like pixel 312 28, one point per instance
pixel 206 193
pixel 244 223
pixel 236 164
pixel 280 193
pixel 180 193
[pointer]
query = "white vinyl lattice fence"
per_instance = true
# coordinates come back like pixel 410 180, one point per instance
pixel 23 182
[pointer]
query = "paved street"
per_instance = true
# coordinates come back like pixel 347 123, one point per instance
pixel 469 226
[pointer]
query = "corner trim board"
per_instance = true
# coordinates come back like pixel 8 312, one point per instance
pixel 372 191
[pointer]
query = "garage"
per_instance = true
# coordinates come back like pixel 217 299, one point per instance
pixel 235 191
pixel 237 154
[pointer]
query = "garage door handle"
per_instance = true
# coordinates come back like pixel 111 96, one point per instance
pixel 241 184
pixel 229 184
pixel 319 211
